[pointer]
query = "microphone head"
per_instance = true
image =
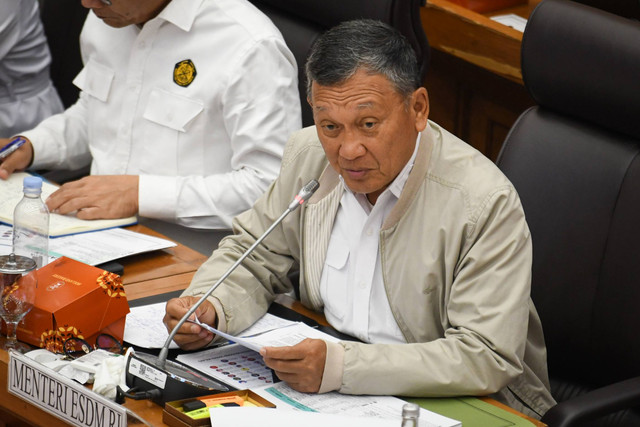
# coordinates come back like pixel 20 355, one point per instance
pixel 304 194
pixel 308 190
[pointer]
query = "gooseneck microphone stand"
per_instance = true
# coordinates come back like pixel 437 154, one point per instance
pixel 165 380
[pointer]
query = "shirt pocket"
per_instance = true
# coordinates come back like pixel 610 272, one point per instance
pixel 95 79
pixel 335 290
pixel 171 110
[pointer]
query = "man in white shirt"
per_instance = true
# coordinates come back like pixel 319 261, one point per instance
pixel 415 243
pixel 184 112
pixel 27 95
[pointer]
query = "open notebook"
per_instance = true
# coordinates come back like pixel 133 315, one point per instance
pixel 59 225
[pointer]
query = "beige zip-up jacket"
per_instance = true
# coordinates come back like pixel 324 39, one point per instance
pixel 456 263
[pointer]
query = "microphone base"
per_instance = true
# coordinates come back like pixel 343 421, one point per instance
pixel 174 382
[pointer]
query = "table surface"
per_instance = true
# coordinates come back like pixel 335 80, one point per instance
pixel 146 275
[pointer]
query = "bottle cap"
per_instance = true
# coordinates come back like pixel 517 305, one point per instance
pixel 16 264
pixel 410 410
pixel 32 182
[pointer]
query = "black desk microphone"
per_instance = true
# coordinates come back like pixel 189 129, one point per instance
pixel 168 380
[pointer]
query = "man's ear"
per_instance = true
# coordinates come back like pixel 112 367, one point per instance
pixel 420 107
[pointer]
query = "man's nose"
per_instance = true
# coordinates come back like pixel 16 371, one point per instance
pixel 352 147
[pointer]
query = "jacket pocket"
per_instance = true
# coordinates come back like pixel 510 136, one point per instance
pixel 171 110
pixel 95 79
pixel 334 287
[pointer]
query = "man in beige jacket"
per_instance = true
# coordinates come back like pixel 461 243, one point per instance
pixel 415 243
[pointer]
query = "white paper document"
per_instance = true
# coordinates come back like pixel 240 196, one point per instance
pixel 94 247
pixel 240 365
pixel 258 336
pixel 231 364
pixel 144 327
pixel 511 20
pixel 363 407
pixel 270 417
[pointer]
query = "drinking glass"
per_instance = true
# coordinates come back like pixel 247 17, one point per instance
pixel 18 282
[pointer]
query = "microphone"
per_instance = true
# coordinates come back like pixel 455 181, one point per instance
pixel 174 380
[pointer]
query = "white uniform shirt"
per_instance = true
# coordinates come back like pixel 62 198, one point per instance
pixel 204 151
pixel 26 93
pixel 351 285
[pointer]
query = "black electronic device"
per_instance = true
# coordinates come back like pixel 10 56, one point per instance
pixel 164 380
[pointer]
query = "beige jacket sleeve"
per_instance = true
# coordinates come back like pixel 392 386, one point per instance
pixel 247 293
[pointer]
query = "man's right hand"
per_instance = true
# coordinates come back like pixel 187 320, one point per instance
pixel 18 160
pixel 190 336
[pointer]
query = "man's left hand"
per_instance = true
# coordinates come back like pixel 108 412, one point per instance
pixel 301 366
pixel 97 197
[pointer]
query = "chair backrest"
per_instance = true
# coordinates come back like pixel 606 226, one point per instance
pixel 302 21
pixel 63 21
pixel 575 161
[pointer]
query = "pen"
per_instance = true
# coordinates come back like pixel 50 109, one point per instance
pixel 11 147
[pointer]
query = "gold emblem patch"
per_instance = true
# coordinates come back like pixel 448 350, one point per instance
pixel 184 72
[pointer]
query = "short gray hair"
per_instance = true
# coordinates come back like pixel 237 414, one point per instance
pixel 363 44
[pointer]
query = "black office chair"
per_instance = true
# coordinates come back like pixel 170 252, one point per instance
pixel 302 21
pixel 62 21
pixel 575 161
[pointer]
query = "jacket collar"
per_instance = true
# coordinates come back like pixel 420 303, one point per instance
pixel 329 179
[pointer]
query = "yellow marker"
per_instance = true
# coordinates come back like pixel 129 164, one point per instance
pixel 215 402
pixel 197 414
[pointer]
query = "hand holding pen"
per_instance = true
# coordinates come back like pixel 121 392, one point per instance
pixel 15 154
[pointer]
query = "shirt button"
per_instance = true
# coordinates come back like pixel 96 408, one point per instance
pixel 362 285
pixel 369 231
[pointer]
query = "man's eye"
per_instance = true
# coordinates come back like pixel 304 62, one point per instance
pixel 330 127
pixel 369 125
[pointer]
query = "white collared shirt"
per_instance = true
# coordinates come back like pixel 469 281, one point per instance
pixel 351 284
pixel 204 150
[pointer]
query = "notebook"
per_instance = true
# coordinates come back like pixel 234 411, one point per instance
pixel 59 225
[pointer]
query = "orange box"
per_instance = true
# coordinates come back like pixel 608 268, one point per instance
pixel 482 6
pixel 74 299
pixel 174 416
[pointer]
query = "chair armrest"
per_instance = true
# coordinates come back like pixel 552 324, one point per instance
pixel 594 404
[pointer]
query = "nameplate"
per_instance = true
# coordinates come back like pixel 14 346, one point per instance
pixel 60 396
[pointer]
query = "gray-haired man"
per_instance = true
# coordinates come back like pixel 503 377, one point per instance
pixel 415 243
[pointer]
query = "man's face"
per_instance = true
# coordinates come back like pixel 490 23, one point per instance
pixel 367 129
pixel 122 13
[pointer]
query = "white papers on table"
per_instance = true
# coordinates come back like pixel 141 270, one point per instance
pixel 269 417
pixel 255 338
pixel 144 327
pixel 511 20
pixel 240 365
pixel 96 247
pixel 364 407
pixel 232 364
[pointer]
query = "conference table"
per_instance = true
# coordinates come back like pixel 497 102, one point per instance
pixel 146 276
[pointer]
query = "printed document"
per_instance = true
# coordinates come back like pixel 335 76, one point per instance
pixel 94 247
pixel 385 407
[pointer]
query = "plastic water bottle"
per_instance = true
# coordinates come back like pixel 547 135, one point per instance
pixel 31 223
pixel 410 415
